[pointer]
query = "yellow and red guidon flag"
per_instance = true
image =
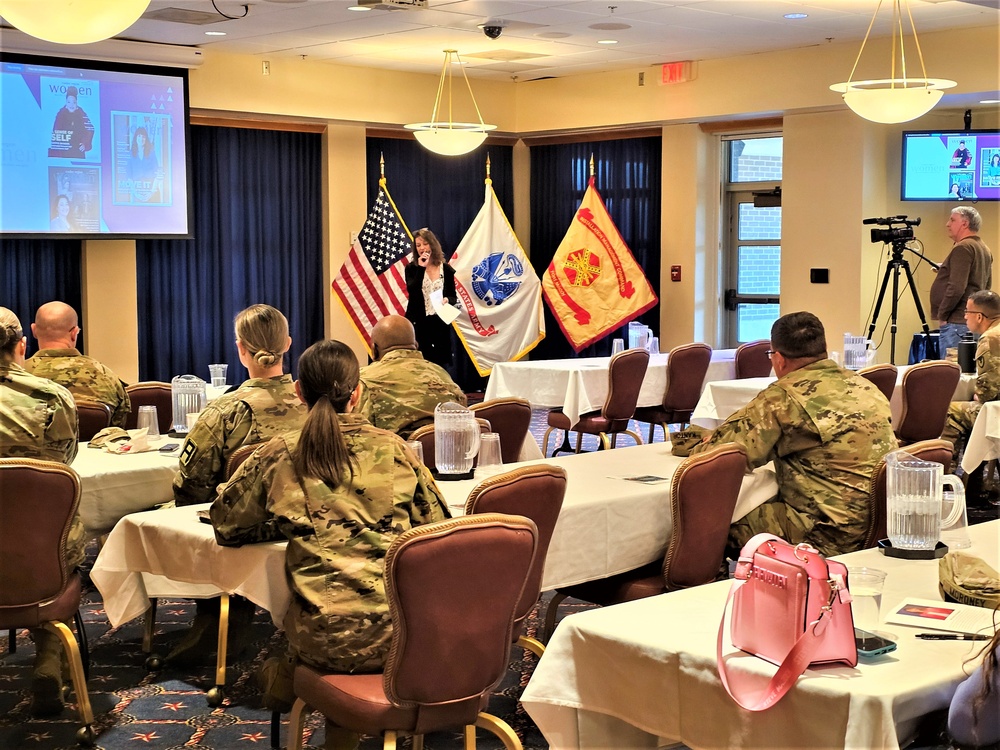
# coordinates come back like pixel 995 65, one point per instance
pixel 593 283
pixel 371 283
pixel 500 295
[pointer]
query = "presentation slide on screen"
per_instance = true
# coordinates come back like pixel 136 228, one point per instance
pixel 91 151
pixel 951 166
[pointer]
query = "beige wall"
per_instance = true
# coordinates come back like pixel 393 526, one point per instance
pixel 839 168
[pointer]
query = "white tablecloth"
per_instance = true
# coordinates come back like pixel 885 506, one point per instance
pixel 644 674
pixel 720 399
pixel 984 442
pixel 608 525
pixel 580 385
pixel 113 485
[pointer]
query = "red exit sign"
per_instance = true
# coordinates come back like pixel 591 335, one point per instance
pixel 676 72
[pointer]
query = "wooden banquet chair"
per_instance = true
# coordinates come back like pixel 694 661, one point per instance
pixel 928 389
pixel 425 436
pixel 938 451
pixel 703 495
pixel 36 588
pixel 625 375
pixel 93 415
pixel 882 377
pixel 535 492
pixel 752 361
pixel 151 393
pixel 510 419
pixel 453 588
pixel 686 368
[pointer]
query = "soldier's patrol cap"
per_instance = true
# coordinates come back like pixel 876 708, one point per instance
pixel 967 579
pixel 107 435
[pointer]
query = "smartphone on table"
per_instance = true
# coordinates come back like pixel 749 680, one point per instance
pixel 870 644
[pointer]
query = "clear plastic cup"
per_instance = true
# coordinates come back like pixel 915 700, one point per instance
pixel 490 461
pixel 865 585
pixel 148 418
pixel 218 375
pixel 617 345
pixel 418 448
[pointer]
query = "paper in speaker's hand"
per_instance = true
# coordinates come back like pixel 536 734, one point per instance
pixel 448 313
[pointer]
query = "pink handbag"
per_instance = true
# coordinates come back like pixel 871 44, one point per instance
pixel 791 607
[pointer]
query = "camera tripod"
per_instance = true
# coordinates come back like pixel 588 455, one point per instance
pixel 896 264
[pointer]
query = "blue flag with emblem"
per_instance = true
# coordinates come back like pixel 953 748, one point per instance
pixel 498 291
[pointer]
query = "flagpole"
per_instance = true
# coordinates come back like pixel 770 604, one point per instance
pixel 488 180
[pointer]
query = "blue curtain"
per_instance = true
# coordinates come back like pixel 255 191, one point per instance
pixel 258 239
pixel 444 194
pixel 33 272
pixel 627 174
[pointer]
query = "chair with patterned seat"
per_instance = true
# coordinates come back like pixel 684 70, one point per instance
pixel 36 588
pixel 453 589
pixel 625 375
pixel 703 495
pixel 686 369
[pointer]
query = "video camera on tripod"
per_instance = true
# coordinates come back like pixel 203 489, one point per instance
pixel 899 229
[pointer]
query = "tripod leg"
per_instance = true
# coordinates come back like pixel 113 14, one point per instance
pixel 881 296
pixel 916 297
pixel 895 309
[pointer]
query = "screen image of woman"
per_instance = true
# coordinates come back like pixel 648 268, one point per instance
pixel 143 167
pixel 60 221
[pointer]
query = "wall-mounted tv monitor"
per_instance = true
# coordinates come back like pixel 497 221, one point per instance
pixel 93 148
pixel 951 165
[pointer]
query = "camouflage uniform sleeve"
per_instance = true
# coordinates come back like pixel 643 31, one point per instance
pixel 124 406
pixel 62 433
pixel 988 369
pixel 428 504
pixel 239 513
pixel 365 402
pixel 755 427
pixel 206 448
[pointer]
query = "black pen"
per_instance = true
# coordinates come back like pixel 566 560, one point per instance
pixel 953 637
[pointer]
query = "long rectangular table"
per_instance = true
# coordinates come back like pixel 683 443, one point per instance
pixel 644 675
pixel 607 525
pixel 722 398
pixel 578 386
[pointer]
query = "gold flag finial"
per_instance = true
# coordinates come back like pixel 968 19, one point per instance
pixel 489 181
pixel 591 164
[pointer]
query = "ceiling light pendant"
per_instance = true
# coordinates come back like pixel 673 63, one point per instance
pixel 450 138
pixel 72 21
pixel 893 99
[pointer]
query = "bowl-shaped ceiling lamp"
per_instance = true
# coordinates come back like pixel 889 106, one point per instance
pixel 72 21
pixel 893 99
pixel 450 138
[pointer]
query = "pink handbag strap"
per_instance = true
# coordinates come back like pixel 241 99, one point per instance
pixel 795 663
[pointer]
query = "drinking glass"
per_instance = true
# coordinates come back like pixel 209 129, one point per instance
pixel 654 345
pixel 865 585
pixel 418 449
pixel 147 418
pixel 617 345
pixel 218 375
pixel 490 461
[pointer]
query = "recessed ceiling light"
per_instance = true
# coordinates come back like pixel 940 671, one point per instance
pixel 607 41
pixel 358 7
pixel 796 16
pixel 215 33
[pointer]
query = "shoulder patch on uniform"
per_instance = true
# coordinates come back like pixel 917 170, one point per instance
pixel 188 453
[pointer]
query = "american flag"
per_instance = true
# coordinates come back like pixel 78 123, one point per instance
pixel 370 284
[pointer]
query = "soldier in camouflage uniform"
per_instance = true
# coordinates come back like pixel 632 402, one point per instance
pixel 38 420
pixel 263 407
pixel 340 491
pixel 982 315
pixel 400 389
pixel 825 429
pixel 56 329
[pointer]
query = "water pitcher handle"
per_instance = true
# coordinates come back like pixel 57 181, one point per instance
pixel 476 439
pixel 958 491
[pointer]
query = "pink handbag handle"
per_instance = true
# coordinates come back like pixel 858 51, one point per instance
pixel 795 663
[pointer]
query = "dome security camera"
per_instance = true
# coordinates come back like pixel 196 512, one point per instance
pixel 493 29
